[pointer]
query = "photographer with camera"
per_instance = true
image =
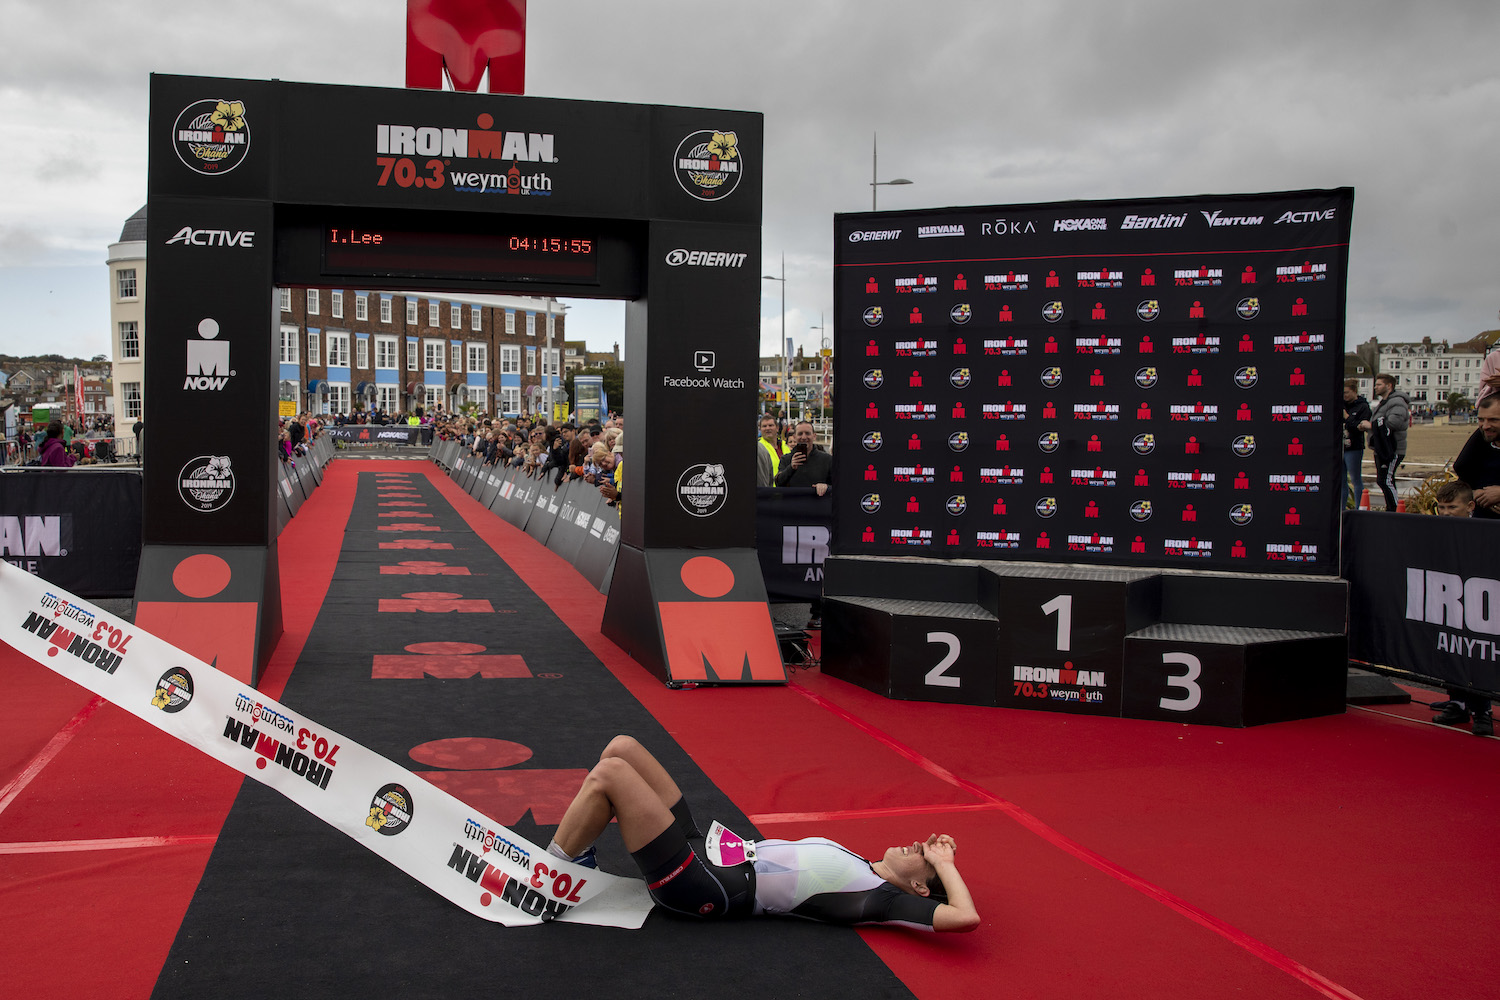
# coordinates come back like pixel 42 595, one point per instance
pixel 807 464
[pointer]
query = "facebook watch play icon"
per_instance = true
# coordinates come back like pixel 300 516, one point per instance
pixel 207 360
pixel 703 360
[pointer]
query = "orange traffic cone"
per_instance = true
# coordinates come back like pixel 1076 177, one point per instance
pixel 1400 506
pixel 1364 499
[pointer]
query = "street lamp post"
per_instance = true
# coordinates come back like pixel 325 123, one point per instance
pixel 875 182
pixel 823 345
pixel 785 362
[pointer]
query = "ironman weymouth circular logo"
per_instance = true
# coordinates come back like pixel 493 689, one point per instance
pixel 390 810
pixel 211 136
pixel 701 490
pixel 206 483
pixel 173 691
pixel 707 164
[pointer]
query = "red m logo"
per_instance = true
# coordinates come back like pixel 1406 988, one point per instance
pixel 465 37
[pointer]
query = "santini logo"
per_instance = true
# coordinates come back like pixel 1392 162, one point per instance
pixel 213 238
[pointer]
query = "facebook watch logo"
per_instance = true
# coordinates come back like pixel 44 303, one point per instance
pixel 207 360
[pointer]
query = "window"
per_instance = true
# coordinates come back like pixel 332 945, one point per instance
pixel 510 359
pixel 362 350
pixel 286 300
pixel 314 350
pixel 362 307
pixel 456 359
pixel 411 312
pixel 510 400
pixel 130 339
pixel 476 318
pixel 338 395
pixel 385 397
pixel 385 309
pixel 476 394
pixel 336 305
pixel 432 313
pixel 432 355
pixel 338 350
pixel 126 278
pixel 531 324
pixel 1421 380
pixel 432 396
pixel 385 353
pixel 411 355
pixel 1442 380
pixel 132 397
pixel 479 359
pixel 510 322
pixel 572 351
pixel 312 302
pixel 455 315
pixel 289 345
pixel 1424 364
pixel 531 361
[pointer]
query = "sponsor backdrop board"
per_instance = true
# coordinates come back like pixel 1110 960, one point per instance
pixel 1149 382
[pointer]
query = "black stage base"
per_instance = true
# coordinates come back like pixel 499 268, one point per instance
pixel 1212 648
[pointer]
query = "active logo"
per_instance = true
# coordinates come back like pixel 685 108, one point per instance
pixel 213 237
pixel 701 490
pixel 212 137
pixel 207 361
pixel 206 483
pixel 708 164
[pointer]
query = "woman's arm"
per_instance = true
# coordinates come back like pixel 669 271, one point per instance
pixel 958 914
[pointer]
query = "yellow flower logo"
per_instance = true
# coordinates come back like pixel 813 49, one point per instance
pixel 229 115
pixel 159 699
pixel 723 145
pixel 377 818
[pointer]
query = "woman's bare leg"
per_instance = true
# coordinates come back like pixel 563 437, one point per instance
pixel 648 767
pixel 613 790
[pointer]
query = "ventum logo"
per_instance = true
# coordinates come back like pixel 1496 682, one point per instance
pixel 207 360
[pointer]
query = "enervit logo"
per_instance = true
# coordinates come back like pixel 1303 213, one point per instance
pixel 207 361
pixel 708 164
pixel 213 237
pixel 212 137
pixel 874 235
pixel 705 258
pixel 206 483
pixel 1214 218
pixel 701 490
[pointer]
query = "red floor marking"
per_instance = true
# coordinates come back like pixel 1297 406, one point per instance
pixel 54 747
pixel 1224 929
pixel 119 843
pixel 842 814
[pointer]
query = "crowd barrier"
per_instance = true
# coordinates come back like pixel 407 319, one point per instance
pixel 1422 598
pixel 573 521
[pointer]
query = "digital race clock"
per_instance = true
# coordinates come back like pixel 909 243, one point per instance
pixel 508 252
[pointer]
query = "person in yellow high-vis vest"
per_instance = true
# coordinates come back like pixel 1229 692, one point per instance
pixel 769 451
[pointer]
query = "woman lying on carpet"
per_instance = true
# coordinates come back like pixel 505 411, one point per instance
pixel 813 878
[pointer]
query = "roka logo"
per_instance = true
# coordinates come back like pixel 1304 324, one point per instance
pixel 207 361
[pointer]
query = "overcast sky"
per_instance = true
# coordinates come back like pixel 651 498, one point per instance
pixel 979 103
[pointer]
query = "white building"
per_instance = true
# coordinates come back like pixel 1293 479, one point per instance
pixel 1429 373
pixel 127 320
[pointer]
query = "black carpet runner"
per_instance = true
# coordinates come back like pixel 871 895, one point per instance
pixel 498 702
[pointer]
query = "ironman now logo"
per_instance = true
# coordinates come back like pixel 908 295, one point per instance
pixel 207 361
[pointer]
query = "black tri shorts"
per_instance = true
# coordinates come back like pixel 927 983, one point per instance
pixel 680 879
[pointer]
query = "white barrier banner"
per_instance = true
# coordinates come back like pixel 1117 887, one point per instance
pixel 421 829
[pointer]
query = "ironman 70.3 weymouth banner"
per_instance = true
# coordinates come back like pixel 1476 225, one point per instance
pixel 436 839
pixel 1150 383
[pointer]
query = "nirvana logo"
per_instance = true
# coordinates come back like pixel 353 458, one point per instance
pixel 212 137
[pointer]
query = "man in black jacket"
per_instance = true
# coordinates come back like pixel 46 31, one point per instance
pixel 807 464
pixel 1356 412
pixel 1478 464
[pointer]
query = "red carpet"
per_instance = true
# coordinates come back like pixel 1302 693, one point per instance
pixel 1106 856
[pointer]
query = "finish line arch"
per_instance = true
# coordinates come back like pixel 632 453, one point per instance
pixel 311 184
